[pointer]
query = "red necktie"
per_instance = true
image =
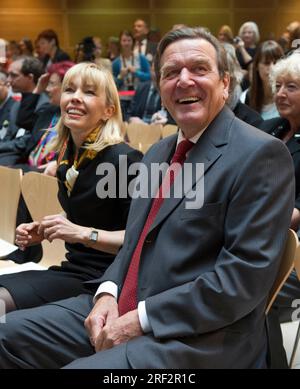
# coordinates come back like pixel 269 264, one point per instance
pixel 128 297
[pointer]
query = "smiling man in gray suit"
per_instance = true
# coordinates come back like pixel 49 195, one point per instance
pixel 189 287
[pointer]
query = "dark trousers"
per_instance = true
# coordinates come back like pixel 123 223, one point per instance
pixel 53 336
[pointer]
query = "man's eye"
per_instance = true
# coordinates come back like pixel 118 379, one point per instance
pixel 199 70
pixel 171 73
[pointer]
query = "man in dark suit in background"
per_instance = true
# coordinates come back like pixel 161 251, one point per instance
pixel 190 285
pixel 9 108
pixel 142 45
pixel 146 105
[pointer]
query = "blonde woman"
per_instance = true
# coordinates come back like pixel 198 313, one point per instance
pixel 89 134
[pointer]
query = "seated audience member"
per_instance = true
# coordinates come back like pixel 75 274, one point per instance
pixel 113 48
pixel 129 69
pixel 247 44
pixel 190 285
pixel 88 51
pixel 23 77
pixel 260 96
pixel 225 34
pixel 242 111
pixel 49 49
pixel 89 134
pixel 142 44
pixel 85 50
pixel 38 152
pixel 285 81
pixel 4 60
pixel 26 47
pixel 293 32
pixel 99 60
pixel 146 104
pixel 8 111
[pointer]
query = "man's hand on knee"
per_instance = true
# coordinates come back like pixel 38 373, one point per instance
pixel 104 312
pixel 119 331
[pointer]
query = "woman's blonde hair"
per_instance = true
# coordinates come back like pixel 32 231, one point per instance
pixel 92 74
pixel 253 26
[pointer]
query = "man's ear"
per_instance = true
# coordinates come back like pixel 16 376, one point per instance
pixel 226 83
pixel 30 75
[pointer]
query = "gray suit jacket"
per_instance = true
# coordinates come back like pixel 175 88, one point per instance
pixel 205 274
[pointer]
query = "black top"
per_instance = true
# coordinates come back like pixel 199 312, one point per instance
pixel 251 51
pixel 38 121
pixel 248 115
pixel 85 208
pixel 59 56
pixel 278 127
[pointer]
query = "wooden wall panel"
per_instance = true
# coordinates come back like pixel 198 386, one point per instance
pixel 107 4
pixel 18 25
pixel 254 4
pixel 31 4
pixel 103 25
pixel 212 22
pixel 196 4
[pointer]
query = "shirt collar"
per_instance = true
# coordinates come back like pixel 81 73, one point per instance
pixel 194 139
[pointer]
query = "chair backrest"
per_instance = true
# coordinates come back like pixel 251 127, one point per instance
pixel 289 259
pixel 143 133
pixel 40 195
pixel 169 129
pixel 9 200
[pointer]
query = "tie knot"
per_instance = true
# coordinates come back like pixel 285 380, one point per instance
pixel 180 153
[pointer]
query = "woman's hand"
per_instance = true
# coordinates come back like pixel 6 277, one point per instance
pixel 123 72
pixel 58 227
pixel 28 234
pixel 132 69
pixel 50 168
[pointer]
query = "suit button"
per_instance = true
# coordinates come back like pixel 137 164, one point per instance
pixel 148 241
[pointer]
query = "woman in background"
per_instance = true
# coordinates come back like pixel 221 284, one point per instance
pixel 129 70
pixel 260 96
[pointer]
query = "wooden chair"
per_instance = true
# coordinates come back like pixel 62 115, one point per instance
pixel 169 129
pixel 143 133
pixel 9 199
pixel 290 258
pixel 40 195
pixel 296 342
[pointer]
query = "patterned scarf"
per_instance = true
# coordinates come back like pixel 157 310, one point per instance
pixel 69 165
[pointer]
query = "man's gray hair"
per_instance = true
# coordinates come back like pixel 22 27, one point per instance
pixel 190 33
